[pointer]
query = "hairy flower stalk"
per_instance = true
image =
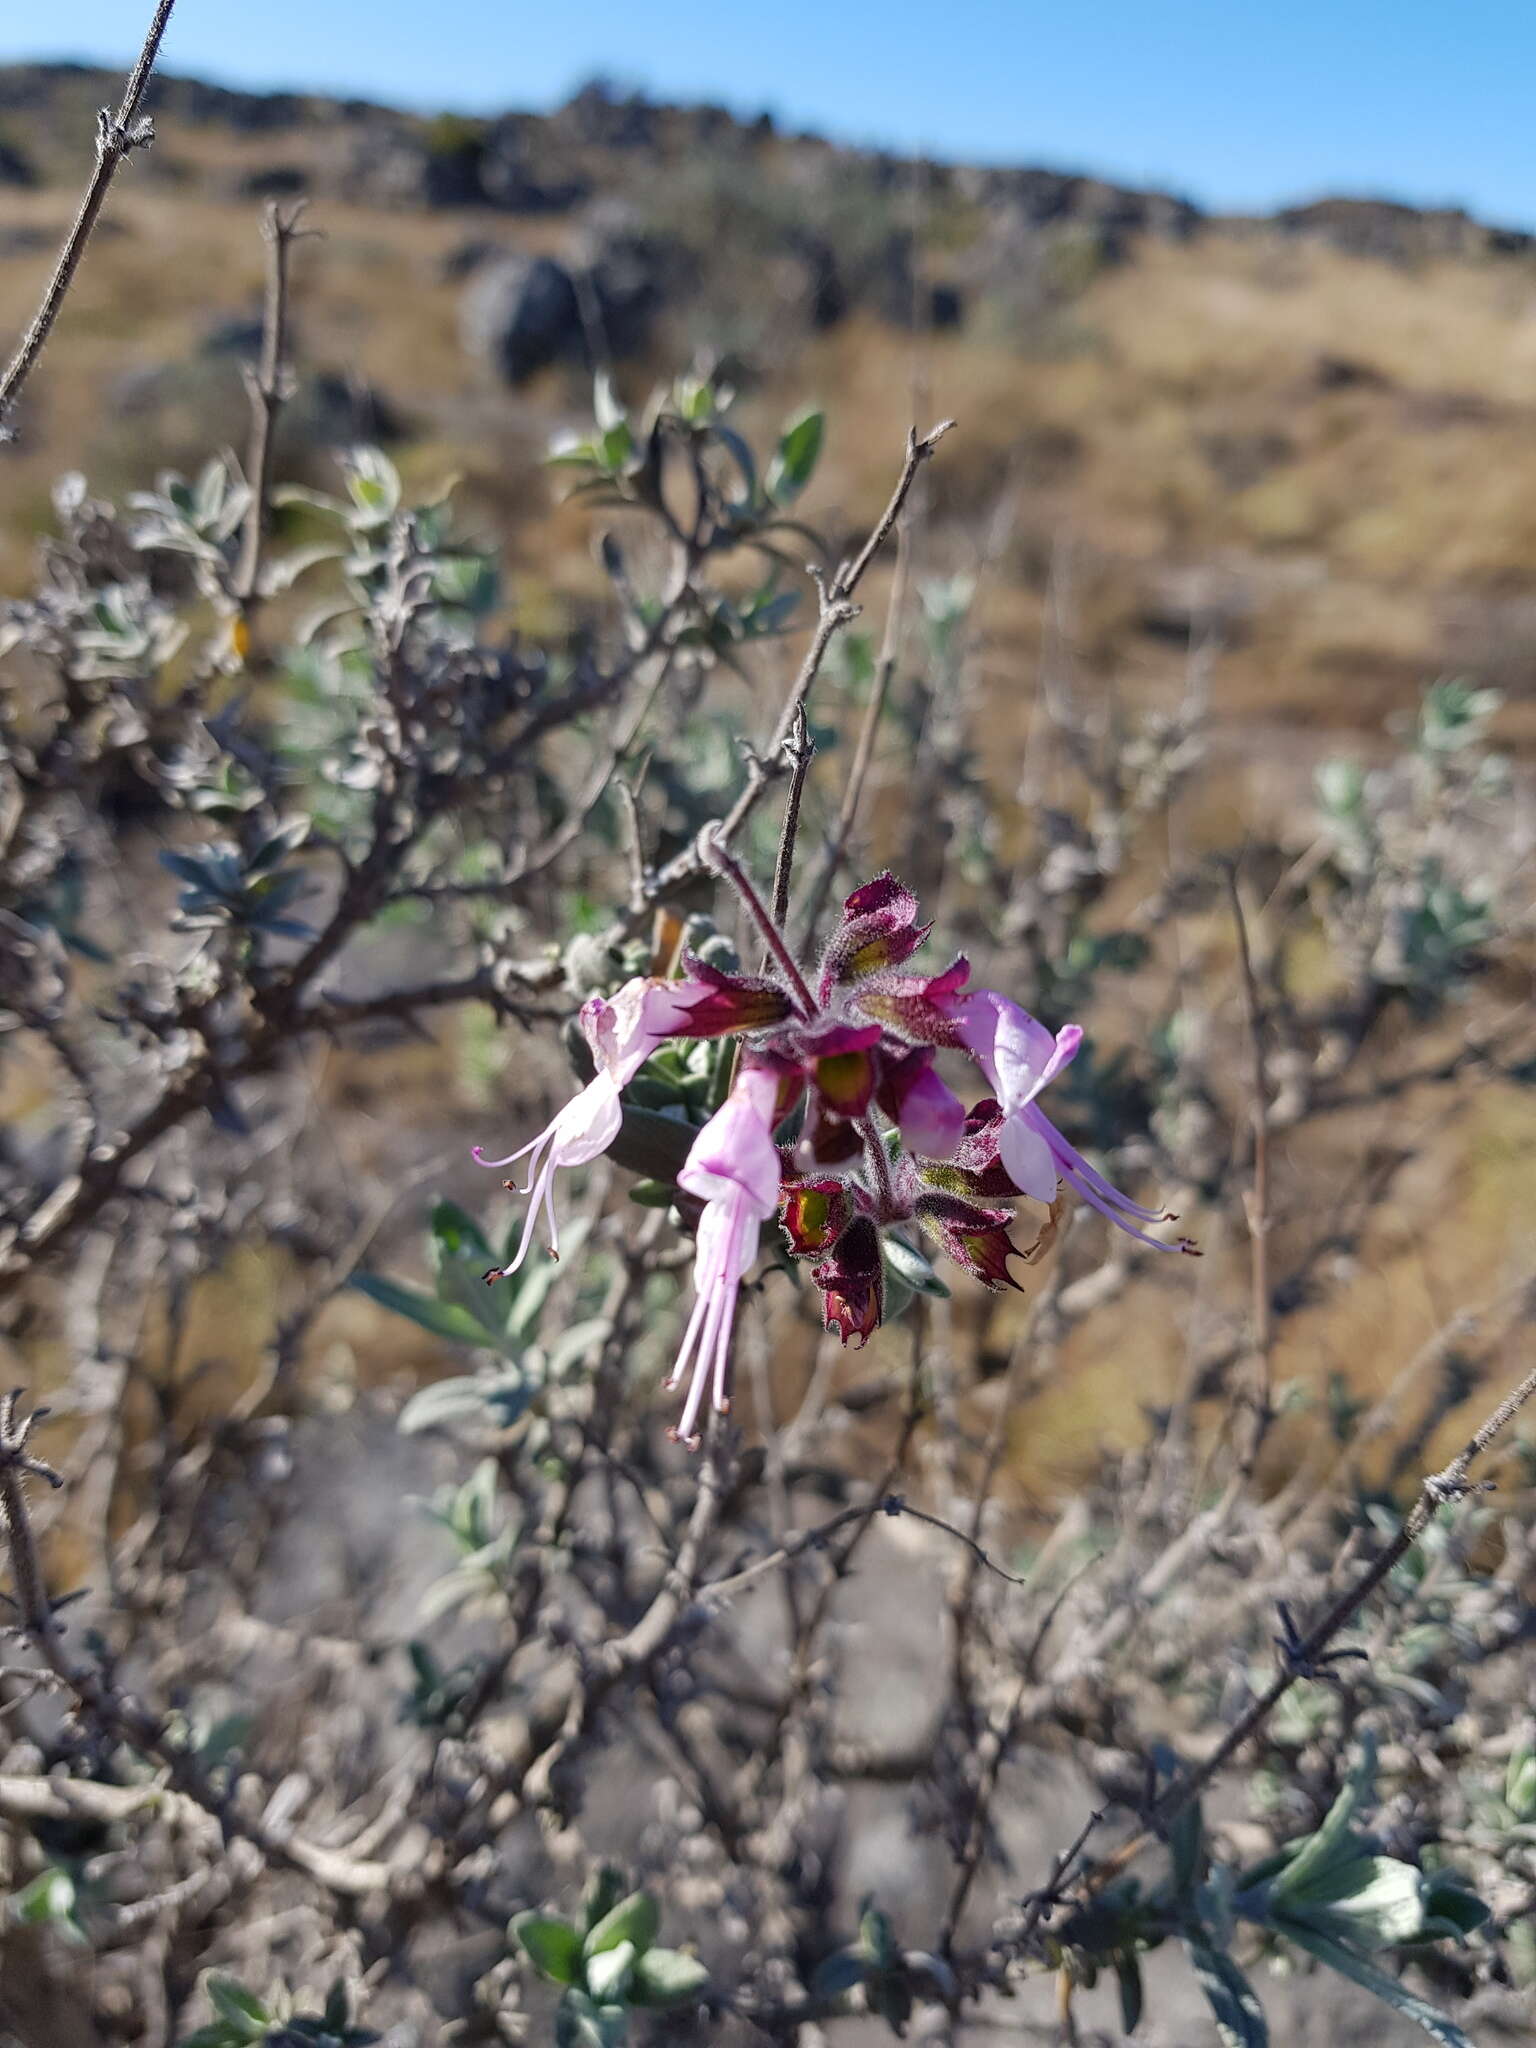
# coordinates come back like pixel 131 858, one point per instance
pixel 838 1121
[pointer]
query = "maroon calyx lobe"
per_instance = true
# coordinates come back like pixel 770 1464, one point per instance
pixel 976 1172
pixel 789 1074
pixel 814 1213
pixel 974 1237
pixel 829 1139
pixel 734 1003
pixel 916 1006
pixel 843 1066
pixel 852 1282
pixel 879 930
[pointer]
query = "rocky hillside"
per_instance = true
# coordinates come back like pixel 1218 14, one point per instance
pixel 1307 439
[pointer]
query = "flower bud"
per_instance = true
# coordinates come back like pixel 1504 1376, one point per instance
pixel 852 1282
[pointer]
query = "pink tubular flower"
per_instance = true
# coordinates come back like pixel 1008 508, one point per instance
pixel 623 1034
pixel 1020 1058
pixel 734 1169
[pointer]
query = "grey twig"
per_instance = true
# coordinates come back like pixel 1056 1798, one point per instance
pixel 864 751
pixel 1256 1201
pixel 800 749
pixel 270 386
pixel 1306 1653
pixel 836 610
pixel 883 1503
pixel 113 1713
pixel 117 136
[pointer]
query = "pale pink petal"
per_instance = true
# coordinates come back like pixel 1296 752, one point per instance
pixel 932 1118
pixel 1027 1160
pixel 625 1029
pixel 1061 1055
pixel 1009 1045
pixel 735 1150
pixel 588 1124
pixel 728 1239
pixel 540 1189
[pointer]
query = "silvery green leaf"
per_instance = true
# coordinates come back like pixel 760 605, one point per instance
pixel 634 1919
pixel 796 457
pixel 442 1318
pixel 608 1972
pixel 1234 2005
pixel 537 1277
pixel 572 1345
pixel 1388 1989
pixel 1371 1901
pixel 666 1976
pixel 239 2009
pixel 1128 1975
pixel 553 1946
pixel 1332 1840
pixel 839 1972
pixel 912 1269
pixel 606 408
pixel 493 1400
pixel 285 571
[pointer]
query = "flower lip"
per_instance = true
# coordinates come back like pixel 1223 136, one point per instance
pixel 586 1126
pixel 1015 1051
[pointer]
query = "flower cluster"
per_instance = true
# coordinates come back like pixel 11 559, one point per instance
pixel 838 1122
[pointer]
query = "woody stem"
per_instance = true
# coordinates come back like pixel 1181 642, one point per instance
pixel 726 864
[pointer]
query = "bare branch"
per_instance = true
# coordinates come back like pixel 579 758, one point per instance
pixel 117 136
pixel 270 386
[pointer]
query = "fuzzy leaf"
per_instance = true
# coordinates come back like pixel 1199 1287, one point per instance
pixel 608 1974
pixel 839 1973
pixel 1128 1976
pixel 795 459
pixel 666 1976
pixel 1332 1841
pixel 456 1235
pixel 238 2008
pixel 1234 2005
pixel 1359 1971
pixel 912 1269
pixel 635 1919
pixel 442 1318
pixel 1369 1901
pixel 495 1399
pixel 537 1277
pixel 552 1946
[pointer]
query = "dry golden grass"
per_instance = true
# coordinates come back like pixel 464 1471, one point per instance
pixel 1196 431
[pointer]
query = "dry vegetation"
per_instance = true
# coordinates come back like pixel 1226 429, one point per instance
pixel 1222 506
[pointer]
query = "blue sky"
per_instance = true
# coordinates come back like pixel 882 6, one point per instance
pixel 1237 104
